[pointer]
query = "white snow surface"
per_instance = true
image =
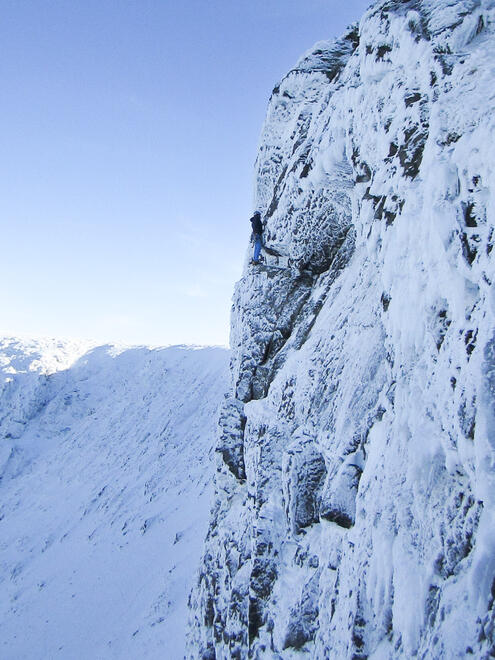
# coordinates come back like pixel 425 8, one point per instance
pixel 355 506
pixel 106 472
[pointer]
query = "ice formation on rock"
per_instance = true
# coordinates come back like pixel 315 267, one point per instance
pixel 354 513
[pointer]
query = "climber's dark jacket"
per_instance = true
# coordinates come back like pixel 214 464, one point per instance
pixel 256 224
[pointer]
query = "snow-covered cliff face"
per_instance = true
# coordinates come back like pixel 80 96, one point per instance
pixel 354 513
pixel 105 487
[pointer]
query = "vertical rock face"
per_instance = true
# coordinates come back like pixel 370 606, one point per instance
pixel 355 487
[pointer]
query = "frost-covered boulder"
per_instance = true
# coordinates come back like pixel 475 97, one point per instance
pixel 303 474
pixel 338 500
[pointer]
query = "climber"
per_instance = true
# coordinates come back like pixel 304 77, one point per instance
pixel 257 226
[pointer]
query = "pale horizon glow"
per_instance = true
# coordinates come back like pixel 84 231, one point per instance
pixel 129 136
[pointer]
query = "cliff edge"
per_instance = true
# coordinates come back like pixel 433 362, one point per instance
pixel 354 513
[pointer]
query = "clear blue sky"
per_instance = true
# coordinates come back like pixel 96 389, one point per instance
pixel 129 132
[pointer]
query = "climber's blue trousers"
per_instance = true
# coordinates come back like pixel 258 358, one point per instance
pixel 258 244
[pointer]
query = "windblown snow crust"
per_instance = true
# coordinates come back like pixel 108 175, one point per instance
pixel 105 477
pixel 354 514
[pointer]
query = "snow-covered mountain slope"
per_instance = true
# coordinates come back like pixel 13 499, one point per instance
pixel 355 494
pixel 106 472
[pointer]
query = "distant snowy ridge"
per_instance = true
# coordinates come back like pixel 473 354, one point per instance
pixel 42 355
pixel 105 486
pixel 354 514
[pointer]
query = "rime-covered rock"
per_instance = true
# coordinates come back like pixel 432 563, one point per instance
pixel 363 368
